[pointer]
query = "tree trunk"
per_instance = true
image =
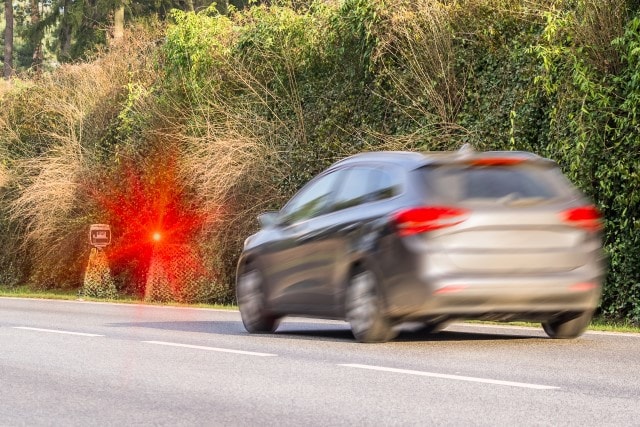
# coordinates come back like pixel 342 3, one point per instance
pixel 239 4
pixel 188 4
pixel 38 55
pixel 8 39
pixel 65 33
pixel 223 7
pixel 118 24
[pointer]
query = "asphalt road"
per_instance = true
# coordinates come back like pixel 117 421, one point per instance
pixel 79 363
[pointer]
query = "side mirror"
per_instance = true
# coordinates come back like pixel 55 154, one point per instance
pixel 268 219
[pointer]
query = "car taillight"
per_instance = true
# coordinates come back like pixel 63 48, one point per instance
pixel 583 287
pixel 496 161
pixel 586 217
pixel 428 218
pixel 450 289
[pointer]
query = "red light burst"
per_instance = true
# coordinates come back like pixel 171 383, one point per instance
pixel 147 207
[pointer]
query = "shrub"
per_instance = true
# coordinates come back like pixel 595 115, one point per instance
pixel 592 119
pixel 98 282
pixel 53 133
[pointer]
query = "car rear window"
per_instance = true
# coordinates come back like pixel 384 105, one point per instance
pixel 494 183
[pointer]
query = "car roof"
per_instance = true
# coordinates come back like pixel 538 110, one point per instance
pixel 417 159
pixel 406 159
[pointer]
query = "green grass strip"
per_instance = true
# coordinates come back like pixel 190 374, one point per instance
pixel 74 295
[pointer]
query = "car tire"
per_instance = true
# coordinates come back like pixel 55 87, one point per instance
pixel 251 302
pixel 363 310
pixel 567 328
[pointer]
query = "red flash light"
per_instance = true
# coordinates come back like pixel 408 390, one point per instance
pixel 147 204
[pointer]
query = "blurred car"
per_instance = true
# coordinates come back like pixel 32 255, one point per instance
pixel 382 238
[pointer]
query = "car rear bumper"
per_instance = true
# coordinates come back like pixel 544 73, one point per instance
pixel 419 281
pixel 480 297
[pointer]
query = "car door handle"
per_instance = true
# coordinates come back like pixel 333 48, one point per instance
pixel 351 227
pixel 309 236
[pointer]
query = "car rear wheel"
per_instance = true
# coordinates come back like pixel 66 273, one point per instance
pixel 364 310
pixel 251 302
pixel 567 328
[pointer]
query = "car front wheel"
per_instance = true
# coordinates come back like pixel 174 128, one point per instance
pixel 363 310
pixel 565 329
pixel 251 302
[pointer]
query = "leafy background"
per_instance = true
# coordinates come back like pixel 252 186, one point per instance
pixel 201 122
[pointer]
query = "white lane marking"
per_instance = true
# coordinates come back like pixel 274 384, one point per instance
pixel 452 377
pixel 200 347
pixel 56 331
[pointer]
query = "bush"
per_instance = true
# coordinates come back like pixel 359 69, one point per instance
pixel 98 282
pixel 592 117
pixel 54 136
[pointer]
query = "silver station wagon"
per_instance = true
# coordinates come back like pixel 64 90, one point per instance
pixel 383 238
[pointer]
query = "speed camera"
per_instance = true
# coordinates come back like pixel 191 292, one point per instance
pixel 99 235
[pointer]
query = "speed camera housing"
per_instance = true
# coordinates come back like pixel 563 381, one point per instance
pixel 100 235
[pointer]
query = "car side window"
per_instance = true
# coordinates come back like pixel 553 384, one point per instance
pixel 363 185
pixel 354 190
pixel 311 200
pixel 386 185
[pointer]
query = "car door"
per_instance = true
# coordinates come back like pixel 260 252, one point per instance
pixel 330 239
pixel 326 241
pixel 295 260
pixel 356 215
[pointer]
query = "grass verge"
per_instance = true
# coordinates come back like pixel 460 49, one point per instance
pixel 597 324
pixel 73 295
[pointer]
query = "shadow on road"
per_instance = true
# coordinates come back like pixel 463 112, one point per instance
pixel 422 335
pixel 313 331
pixel 404 336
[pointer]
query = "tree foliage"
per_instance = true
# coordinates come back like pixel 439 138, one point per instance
pixel 53 31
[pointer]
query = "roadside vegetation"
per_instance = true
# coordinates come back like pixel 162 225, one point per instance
pixel 75 295
pixel 191 127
